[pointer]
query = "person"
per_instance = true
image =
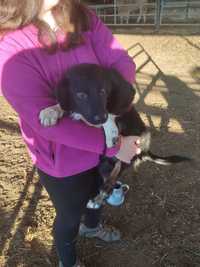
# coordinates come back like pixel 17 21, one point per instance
pixel 40 39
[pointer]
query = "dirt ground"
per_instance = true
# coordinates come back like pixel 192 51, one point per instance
pixel 160 220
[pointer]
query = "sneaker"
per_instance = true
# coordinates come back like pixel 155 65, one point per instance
pixel 105 233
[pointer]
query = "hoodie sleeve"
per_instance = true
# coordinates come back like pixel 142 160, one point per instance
pixel 108 50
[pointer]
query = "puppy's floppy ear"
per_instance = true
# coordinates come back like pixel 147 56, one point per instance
pixel 121 95
pixel 62 93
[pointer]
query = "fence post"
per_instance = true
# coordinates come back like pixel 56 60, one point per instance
pixel 158 13
pixel 115 12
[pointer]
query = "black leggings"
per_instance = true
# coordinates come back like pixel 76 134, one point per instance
pixel 70 196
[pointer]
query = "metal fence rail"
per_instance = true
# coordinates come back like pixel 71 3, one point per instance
pixel 152 12
pixel 180 13
pixel 126 14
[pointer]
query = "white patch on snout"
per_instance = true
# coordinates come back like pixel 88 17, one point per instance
pixel 78 116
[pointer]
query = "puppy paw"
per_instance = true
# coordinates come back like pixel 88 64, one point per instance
pixel 49 116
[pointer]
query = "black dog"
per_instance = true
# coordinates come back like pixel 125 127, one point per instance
pixel 93 92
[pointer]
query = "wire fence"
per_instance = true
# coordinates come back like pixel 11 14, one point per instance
pixel 147 12
pixel 180 12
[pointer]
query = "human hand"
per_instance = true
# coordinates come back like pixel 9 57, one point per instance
pixel 129 147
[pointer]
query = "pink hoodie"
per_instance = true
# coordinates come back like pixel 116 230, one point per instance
pixel 28 76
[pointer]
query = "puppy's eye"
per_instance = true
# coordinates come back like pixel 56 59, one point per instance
pixel 82 96
pixel 103 92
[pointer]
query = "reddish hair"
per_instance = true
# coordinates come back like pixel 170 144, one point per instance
pixel 15 14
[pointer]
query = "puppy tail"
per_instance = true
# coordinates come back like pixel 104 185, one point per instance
pixel 149 156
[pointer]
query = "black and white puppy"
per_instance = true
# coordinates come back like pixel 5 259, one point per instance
pixel 91 93
pixel 101 97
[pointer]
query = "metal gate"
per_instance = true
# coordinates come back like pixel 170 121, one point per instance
pixel 180 12
pixel 147 12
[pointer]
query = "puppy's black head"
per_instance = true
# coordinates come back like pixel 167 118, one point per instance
pixel 83 90
pixel 94 91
